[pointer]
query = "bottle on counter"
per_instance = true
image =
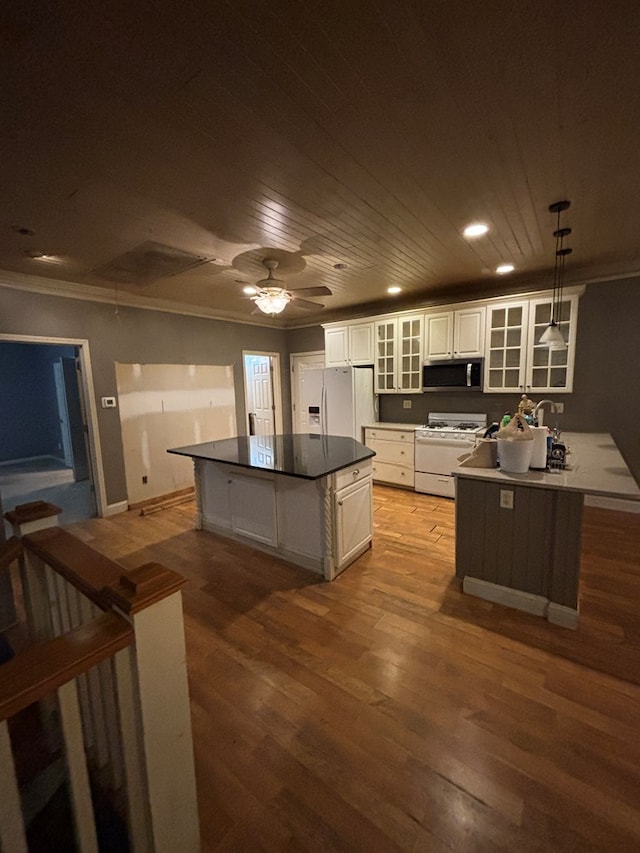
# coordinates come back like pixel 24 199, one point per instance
pixel 505 420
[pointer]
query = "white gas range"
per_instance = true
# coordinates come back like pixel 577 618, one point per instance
pixel 438 444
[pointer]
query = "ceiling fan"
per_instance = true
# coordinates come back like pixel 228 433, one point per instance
pixel 271 296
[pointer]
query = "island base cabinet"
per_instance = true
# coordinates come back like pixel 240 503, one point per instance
pixel 322 524
pixel 526 556
pixel 353 522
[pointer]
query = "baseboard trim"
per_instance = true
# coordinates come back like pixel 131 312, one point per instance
pixel 618 504
pixel 160 501
pixel 516 598
pixel 115 509
pixel 565 617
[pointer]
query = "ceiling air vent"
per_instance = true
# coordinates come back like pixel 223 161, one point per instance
pixel 147 262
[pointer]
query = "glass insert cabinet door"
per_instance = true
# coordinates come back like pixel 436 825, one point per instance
pixel 551 370
pixel 385 363
pixel 398 356
pixel 410 353
pixel 506 346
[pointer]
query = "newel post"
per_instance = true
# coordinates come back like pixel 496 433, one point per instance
pixel 24 519
pixel 156 717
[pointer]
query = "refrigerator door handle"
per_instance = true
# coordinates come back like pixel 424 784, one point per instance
pixel 323 411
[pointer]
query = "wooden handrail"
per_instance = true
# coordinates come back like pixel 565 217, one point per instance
pixel 41 669
pixel 9 551
pixel 86 569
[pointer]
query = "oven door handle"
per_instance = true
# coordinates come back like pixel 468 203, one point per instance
pixel 463 444
pixel 468 374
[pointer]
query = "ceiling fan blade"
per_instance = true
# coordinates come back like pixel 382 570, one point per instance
pixel 321 290
pixel 304 303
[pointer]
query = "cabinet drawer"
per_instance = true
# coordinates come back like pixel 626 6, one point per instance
pixel 353 474
pixel 385 472
pixel 380 434
pixel 394 452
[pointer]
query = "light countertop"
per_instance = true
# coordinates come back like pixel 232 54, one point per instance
pixel 595 467
pixel 385 425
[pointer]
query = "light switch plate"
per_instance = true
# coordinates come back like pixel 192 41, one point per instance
pixel 406 404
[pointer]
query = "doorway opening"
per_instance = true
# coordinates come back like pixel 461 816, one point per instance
pixel 262 393
pixel 47 430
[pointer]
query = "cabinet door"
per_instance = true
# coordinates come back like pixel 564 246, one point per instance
pixel 213 489
pixel 336 346
pixel 551 370
pixel 506 342
pixel 468 334
pixel 438 335
pixel 253 508
pixel 409 366
pixel 361 343
pixel 354 520
pixel 385 363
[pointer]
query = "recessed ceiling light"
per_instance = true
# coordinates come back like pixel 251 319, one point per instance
pixel 476 229
pixel 339 266
pixel 40 256
pixel 19 229
pixel 250 291
pixel 394 289
pixel 503 269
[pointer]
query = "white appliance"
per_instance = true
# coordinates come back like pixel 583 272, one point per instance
pixel 340 400
pixel 438 444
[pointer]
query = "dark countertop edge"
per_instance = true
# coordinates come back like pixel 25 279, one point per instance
pixel 368 455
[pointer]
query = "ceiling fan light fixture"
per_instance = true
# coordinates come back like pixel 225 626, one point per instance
pixel 272 300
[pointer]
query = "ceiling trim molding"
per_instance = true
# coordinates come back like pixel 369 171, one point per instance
pixel 87 293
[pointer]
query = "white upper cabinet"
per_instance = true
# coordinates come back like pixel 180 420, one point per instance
pixel 455 334
pixel 504 367
pixel 398 354
pixel 349 344
pixel 551 370
pixel 515 360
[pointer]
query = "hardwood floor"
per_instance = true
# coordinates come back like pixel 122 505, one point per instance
pixel 387 711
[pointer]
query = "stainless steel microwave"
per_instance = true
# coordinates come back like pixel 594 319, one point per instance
pixel 461 374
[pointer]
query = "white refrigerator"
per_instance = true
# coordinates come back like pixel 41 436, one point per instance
pixel 340 400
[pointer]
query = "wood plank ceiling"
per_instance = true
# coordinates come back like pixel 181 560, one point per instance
pixel 318 133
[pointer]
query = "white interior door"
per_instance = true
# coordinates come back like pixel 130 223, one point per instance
pixel 262 393
pixel 306 391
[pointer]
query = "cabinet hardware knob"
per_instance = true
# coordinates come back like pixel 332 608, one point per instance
pixel 339 503
pixel 356 472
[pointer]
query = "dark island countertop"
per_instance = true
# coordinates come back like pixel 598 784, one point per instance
pixel 294 455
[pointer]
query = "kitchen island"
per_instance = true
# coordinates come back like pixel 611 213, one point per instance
pixel 518 536
pixel 304 498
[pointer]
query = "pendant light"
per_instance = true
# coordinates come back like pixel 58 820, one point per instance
pixel 552 336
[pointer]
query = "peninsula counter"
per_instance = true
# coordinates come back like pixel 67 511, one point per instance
pixel 518 536
pixel 304 498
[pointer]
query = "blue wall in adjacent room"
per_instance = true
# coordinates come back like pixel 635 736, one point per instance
pixel 29 424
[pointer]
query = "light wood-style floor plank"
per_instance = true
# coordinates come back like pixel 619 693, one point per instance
pixel 386 711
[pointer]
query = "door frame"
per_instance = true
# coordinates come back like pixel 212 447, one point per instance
pixel 96 469
pixel 276 388
pixel 294 359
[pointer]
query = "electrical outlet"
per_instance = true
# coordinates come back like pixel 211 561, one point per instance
pixel 559 408
pixel 108 402
pixel 406 404
pixel 144 479
pixel 506 499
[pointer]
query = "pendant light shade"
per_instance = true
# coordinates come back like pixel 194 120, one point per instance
pixel 552 336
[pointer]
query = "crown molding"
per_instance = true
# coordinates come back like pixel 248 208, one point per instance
pixel 88 293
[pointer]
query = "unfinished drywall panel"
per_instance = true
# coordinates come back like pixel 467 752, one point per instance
pixel 170 405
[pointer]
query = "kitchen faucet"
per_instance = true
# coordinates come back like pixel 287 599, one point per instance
pixel 538 412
